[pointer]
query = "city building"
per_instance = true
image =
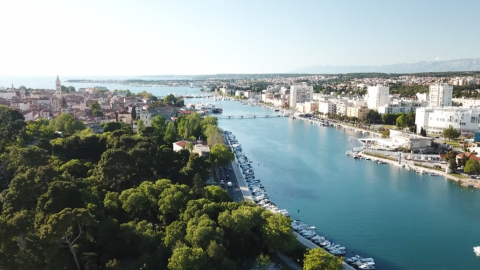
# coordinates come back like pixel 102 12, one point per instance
pixel 167 112
pixel 300 93
pixel 239 93
pixel 466 102
pixel 359 112
pixel 327 108
pixel 377 96
pixel 201 149
pixel 436 119
pixel 310 107
pixel 440 95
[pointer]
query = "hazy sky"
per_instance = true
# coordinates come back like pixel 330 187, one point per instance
pixel 143 37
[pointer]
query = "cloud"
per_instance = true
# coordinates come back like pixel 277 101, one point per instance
pixel 437 58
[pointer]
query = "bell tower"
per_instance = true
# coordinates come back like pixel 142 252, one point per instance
pixel 58 91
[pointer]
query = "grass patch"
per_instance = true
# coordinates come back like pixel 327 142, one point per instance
pixel 381 156
pixel 453 143
pixel 458 175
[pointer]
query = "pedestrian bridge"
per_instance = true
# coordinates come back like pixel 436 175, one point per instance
pixel 251 116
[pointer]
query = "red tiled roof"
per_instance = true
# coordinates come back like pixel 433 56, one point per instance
pixel 181 143
pixel 469 155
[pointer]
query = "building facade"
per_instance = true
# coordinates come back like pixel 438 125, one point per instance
pixel 436 119
pixel 300 94
pixel 359 112
pixel 440 95
pixel 377 96
pixel 327 108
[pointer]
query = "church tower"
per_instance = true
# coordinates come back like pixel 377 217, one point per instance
pixel 58 92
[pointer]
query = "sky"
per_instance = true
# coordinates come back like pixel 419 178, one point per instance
pixel 156 37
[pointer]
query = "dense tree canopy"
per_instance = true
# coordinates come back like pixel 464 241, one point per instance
pixel 66 124
pixel 318 259
pixel 124 201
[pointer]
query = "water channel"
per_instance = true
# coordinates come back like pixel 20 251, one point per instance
pixel 402 219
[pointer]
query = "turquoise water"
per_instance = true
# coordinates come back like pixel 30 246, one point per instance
pixel 402 219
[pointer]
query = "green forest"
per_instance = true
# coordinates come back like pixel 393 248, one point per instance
pixel 121 200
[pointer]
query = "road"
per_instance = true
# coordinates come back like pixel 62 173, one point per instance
pixel 234 191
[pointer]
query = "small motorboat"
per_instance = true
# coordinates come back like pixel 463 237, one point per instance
pixel 477 250
pixel 368 266
pixel 339 251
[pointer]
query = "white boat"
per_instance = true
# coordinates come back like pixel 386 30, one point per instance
pixel 477 250
pixel 368 266
pixel 339 251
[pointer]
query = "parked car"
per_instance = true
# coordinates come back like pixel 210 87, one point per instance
pixel 221 182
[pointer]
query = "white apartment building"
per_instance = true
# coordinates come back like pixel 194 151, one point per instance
pixel 239 93
pixel 327 107
pixel 422 97
pixel 436 119
pixel 300 93
pixel 342 106
pixel 466 102
pixel 440 95
pixel 377 96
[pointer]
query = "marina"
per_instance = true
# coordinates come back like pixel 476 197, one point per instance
pixel 253 190
pixel 396 216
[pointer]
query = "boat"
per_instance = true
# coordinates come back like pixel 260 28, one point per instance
pixel 433 174
pixel 353 259
pixel 477 250
pixel 368 266
pixel 339 251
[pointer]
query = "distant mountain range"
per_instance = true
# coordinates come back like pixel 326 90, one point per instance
pixel 472 64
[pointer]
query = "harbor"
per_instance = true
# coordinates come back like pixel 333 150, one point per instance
pixel 389 213
pixel 253 190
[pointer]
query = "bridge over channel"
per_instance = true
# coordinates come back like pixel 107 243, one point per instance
pixel 251 116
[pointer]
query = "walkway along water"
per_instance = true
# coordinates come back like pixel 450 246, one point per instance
pixel 248 197
pixel 397 216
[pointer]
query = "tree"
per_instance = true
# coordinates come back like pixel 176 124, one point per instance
pixel 373 116
pixel 169 99
pixel 318 259
pixel 159 124
pixel 214 135
pixel 450 155
pixel 221 155
pixel 95 106
pixel 451 133
pixel 262 262
pixel 386 133
pixel 402 121
pixel 11 127
pixel 471 166
pixel 423 132
pixel 134 114
pixel 186 258
pixel 97 113
pixel 278 234
pixel 140 126
pixel 171 133
pixel 66 124
pixel 112 126
pixel 452 164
